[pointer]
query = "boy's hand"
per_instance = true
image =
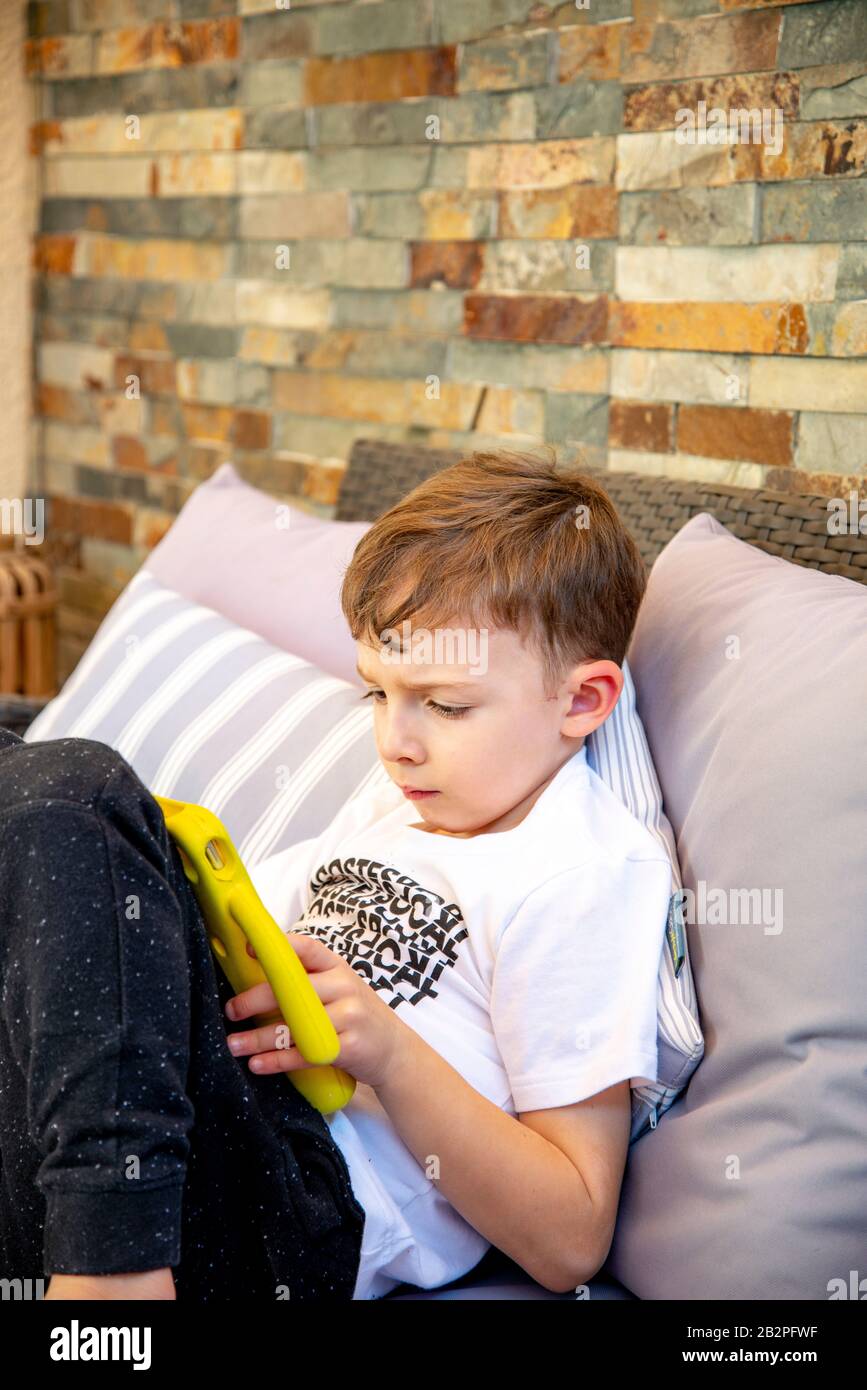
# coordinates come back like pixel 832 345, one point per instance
pixel 369 1031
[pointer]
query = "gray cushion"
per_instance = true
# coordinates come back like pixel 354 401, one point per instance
pixel 751 675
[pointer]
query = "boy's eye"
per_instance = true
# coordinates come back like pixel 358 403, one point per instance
pixel 446 711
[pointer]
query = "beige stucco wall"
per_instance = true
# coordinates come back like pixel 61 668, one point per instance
pixel 18 173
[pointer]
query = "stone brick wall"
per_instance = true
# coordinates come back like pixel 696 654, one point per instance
pixel 17 220
pixel 267 229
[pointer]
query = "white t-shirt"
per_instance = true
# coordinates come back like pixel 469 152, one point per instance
pixel 528 958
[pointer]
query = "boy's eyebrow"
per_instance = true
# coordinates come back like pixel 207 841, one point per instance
pixel 424 685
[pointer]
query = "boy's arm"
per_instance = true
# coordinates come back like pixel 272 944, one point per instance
pixel 583 948
pixel 542 1187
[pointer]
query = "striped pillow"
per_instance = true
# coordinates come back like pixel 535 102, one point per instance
pixel 619 753
pixel 210 712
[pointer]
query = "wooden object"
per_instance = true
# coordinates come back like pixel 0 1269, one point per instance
pixel 28 603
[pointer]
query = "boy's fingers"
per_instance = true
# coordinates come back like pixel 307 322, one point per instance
pixel 269 1038
pixel 314 954
pixel 258 999
pixel 270 1062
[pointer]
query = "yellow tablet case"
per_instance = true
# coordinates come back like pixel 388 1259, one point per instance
pixel 234 914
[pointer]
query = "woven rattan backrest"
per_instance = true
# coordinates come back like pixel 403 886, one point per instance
pixel 792 524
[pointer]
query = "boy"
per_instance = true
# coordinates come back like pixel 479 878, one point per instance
pixel 486 942
pixel 486 927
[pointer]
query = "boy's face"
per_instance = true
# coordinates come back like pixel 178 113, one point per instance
pixel 482 735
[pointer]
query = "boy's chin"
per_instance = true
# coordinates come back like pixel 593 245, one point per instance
pixel 437 827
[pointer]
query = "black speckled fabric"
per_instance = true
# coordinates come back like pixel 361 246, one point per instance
pixel 130 1137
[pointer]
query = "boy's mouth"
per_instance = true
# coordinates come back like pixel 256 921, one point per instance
pixel 413 795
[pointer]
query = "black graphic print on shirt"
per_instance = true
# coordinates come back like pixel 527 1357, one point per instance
pixel 398 936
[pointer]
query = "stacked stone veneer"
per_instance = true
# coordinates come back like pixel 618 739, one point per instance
pixel 266 230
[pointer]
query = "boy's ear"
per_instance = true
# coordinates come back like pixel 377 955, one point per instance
pixel 595 688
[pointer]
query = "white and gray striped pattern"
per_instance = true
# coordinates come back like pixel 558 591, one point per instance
pixel 619 753
pixel 210 712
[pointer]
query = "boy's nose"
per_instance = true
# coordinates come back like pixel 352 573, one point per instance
pixel 398 745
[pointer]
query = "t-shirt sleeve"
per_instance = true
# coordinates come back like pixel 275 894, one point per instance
pixel 574 989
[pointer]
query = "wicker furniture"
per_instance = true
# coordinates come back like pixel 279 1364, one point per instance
pixel 791 524
pixel 28 602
